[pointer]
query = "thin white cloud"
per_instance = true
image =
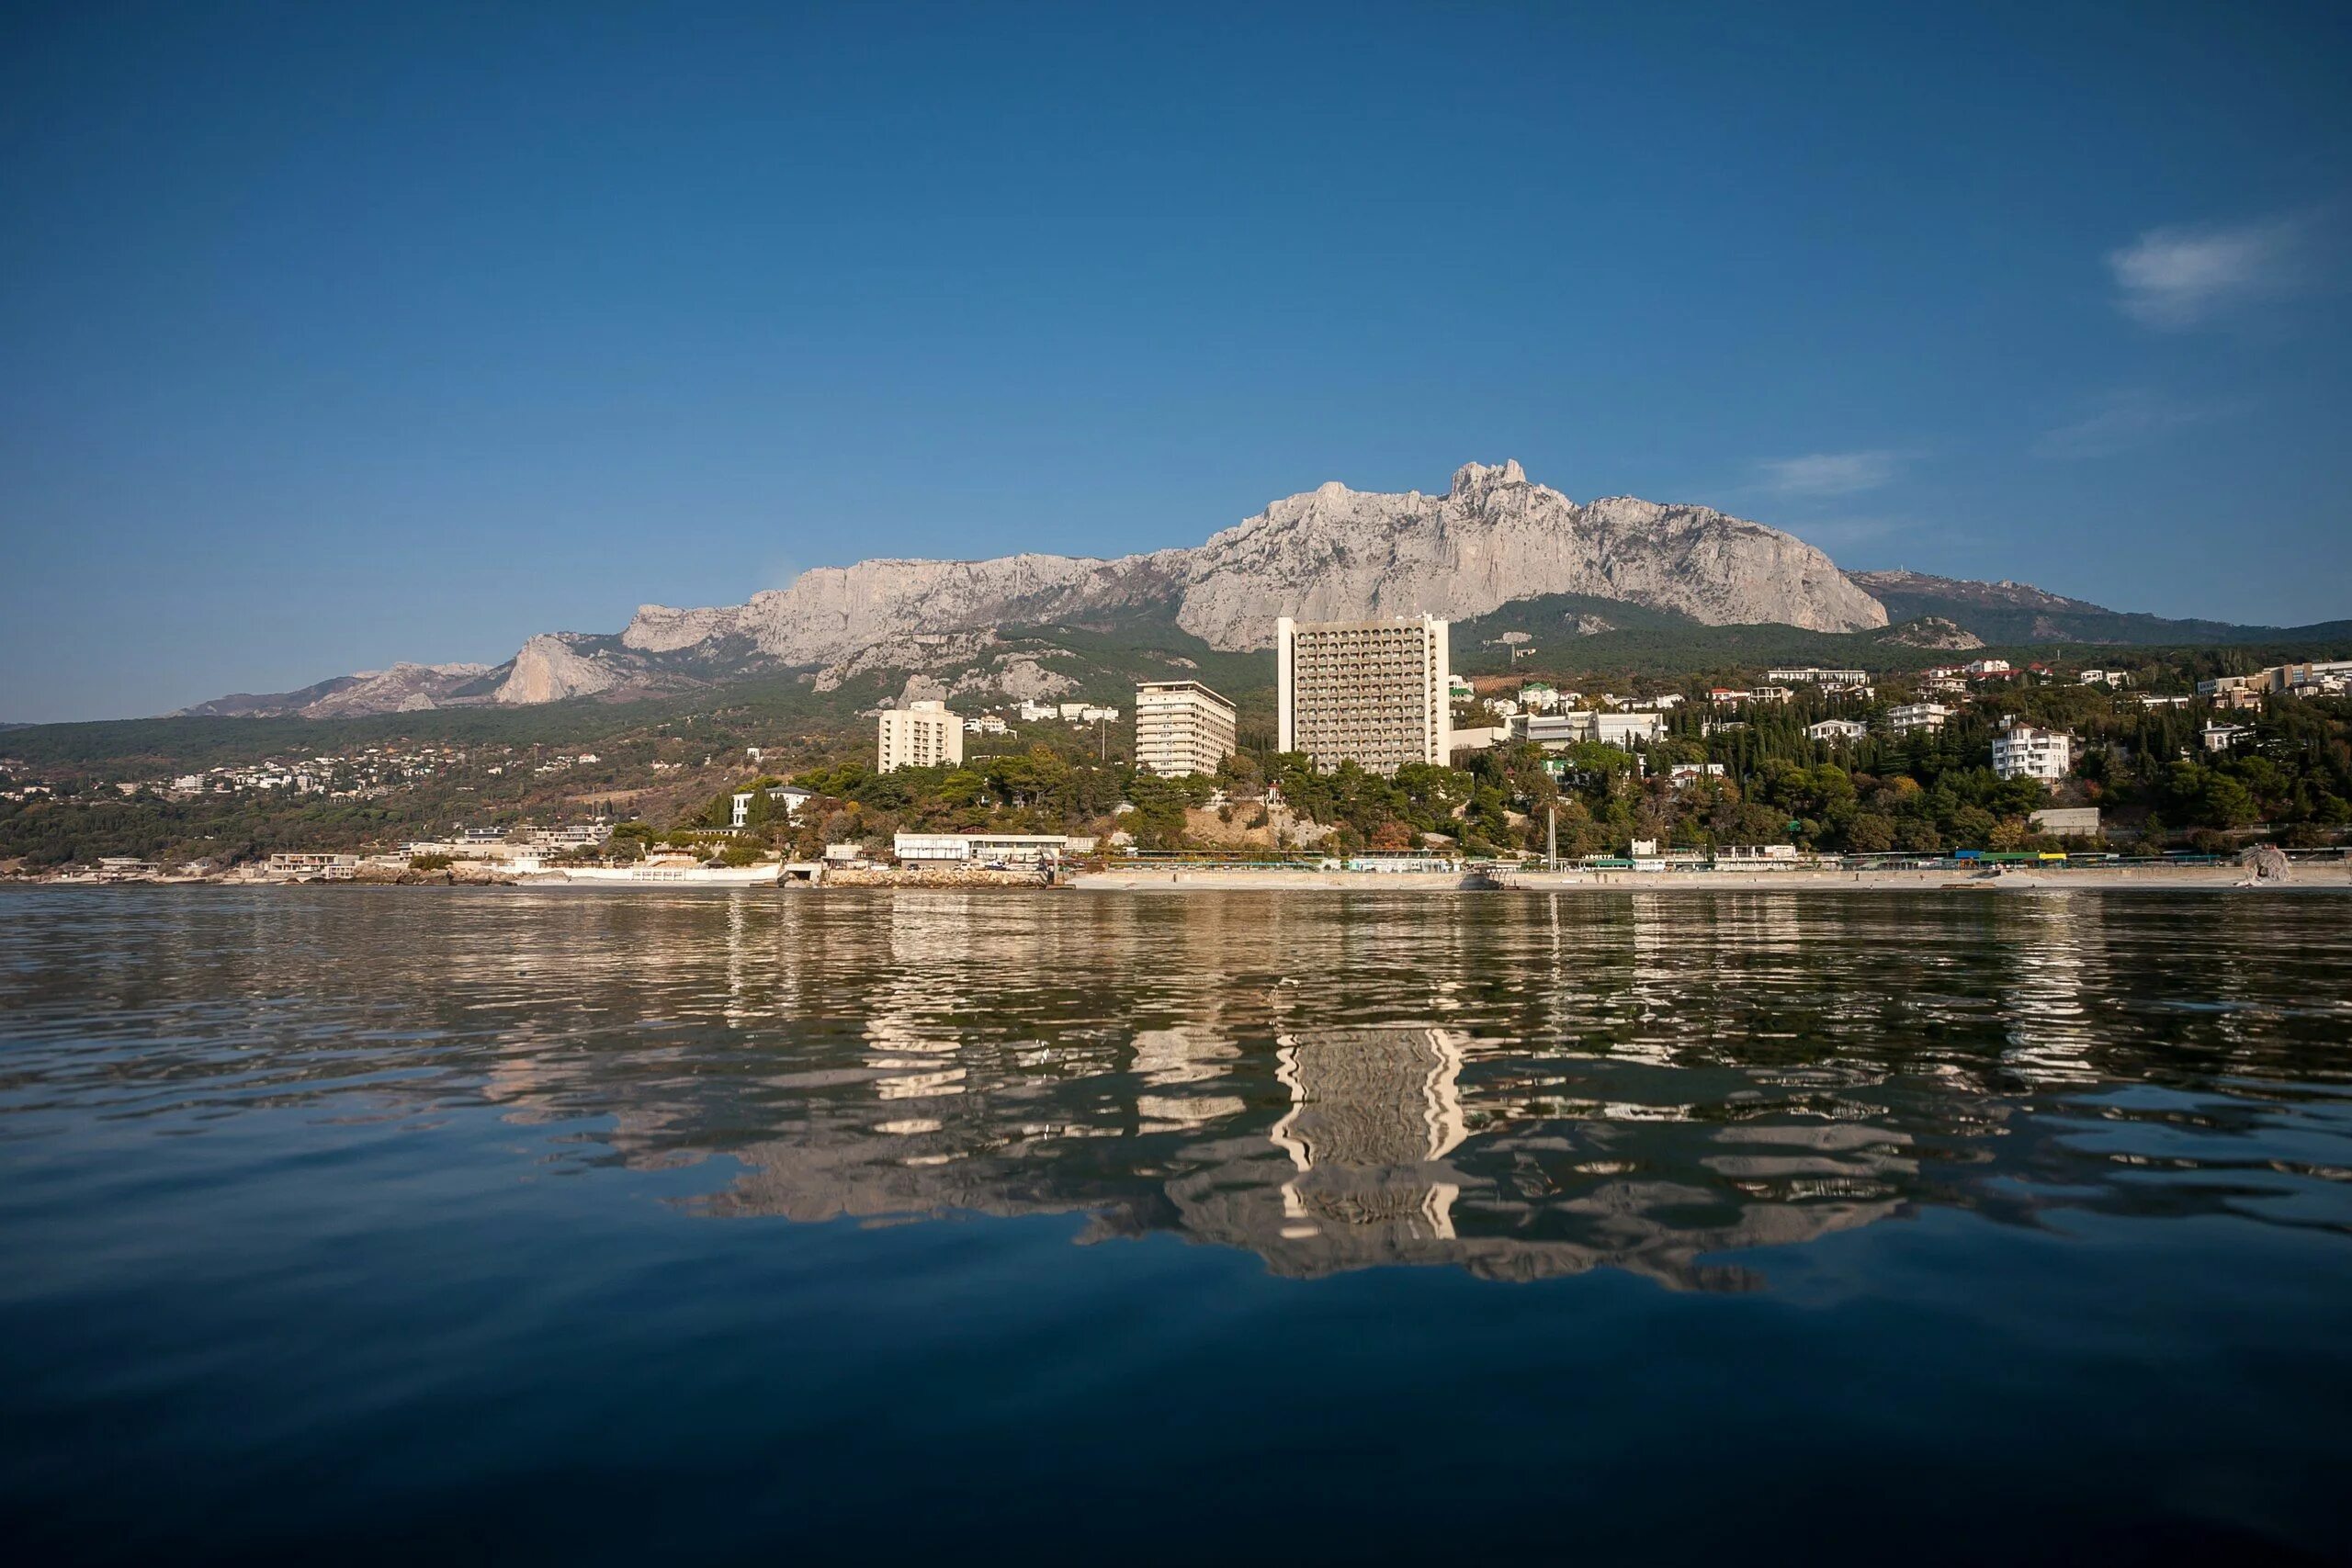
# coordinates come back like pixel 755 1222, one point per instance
pixel 1831 473
pixel 2124 422
pixel 2180 276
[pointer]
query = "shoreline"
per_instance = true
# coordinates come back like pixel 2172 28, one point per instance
pixel 2326 877
pixel 2335 878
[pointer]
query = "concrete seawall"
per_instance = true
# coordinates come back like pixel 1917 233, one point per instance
pixel 2335 878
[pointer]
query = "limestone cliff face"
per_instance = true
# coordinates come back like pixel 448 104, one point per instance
pixel 1331 554
pixel 549 669
pixel 831 612
pixel 1335 553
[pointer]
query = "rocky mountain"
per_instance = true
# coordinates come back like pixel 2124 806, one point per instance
pixel 2012 613
pixel 1331 553
pixel 404 688
pixel 1617 567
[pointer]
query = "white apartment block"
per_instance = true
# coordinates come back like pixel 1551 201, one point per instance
pixel 920 735
pixel 2022 752
pixel 1371 691
pixel 1182 726
pixel 1812 676
pixel 1566 728
pixel 1909 716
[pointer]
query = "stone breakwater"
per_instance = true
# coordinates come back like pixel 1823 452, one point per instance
pixel 929 877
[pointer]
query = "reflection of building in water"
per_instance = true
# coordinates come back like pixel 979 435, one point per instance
pixel 2052 1030
pixel 1371 1110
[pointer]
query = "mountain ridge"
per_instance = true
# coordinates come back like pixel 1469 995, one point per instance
pixel 1326 553
pixel 1493 538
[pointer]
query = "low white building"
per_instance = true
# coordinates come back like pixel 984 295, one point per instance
pixel 304 866
pixel 2022 751
pixel 1811 676
pixel 2222 737
pixel 2114 680
pixel 961 849
pixel 792 797
pixel 1567 729
pixel 1909 716
pixel 1838 729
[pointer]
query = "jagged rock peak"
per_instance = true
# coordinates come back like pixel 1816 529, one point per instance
pixel 1470 477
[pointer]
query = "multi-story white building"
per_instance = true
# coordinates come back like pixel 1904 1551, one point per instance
pixel 1567 729
pixel 2022 752
pixel 1909 716
pixel 1838 729
pixel 792 797
pixel 1539 697
pixel 1374 692
pixel 1182 726
pixel 1818 677
pixel 920 735
pixel 2222 737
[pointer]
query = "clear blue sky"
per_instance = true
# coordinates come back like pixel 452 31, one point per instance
pixel 332 334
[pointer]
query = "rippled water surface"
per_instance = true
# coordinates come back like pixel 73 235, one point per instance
pixel 523 1224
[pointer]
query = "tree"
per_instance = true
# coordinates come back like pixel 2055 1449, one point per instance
pixel 1871 832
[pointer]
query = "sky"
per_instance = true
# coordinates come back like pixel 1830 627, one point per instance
pixel 332 336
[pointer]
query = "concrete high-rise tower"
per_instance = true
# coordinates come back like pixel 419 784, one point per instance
pixel 1370 691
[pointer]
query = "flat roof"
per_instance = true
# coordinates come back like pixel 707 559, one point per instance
pixel 1203 686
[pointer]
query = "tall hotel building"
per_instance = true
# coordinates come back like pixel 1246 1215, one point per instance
pixel 1182 728
pixel 920 735
pixel 1374 691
